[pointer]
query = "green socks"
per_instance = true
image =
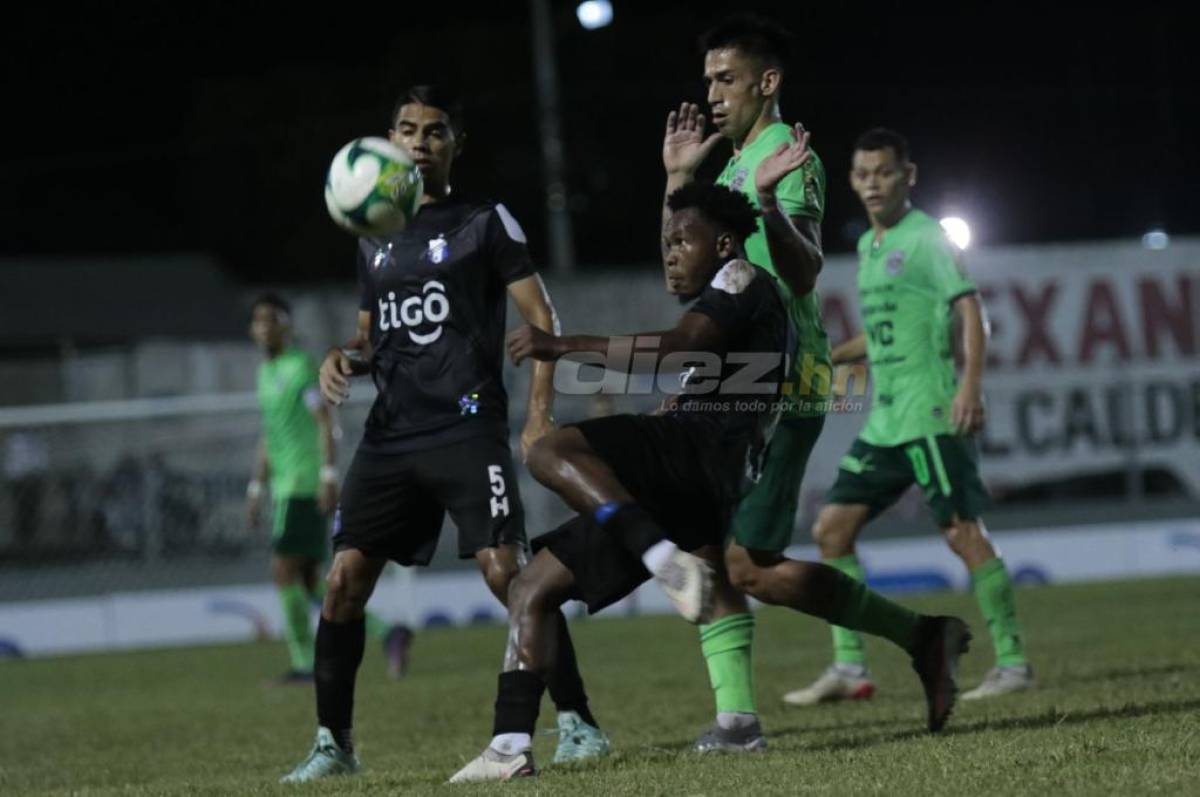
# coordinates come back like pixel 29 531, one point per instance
pixel 847 644
pixel 857 607
pixel 726 646
pixel 297 629
pixel 994 593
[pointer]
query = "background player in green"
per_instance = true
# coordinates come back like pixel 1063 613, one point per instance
pixel 744 60
pixel 911 284
pixel 297 451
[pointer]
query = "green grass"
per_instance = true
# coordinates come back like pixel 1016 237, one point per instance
pixel 1118 711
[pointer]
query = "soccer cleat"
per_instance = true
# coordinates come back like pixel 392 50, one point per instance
pixel 396 647
pixel 1002 681
pixel 838 682
pixel 494 765
pixel 716 739
pixel 577 740
pixel 325 761
pixel 940 642
pixel 687 581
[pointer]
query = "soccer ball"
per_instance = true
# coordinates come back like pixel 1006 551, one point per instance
pixel 373 188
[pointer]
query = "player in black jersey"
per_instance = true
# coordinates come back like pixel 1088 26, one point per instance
pixel 680 473
pixel 431 327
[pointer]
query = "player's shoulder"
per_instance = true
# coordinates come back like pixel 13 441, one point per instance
pixel 486 210
pixel 925 228
pixel 735 277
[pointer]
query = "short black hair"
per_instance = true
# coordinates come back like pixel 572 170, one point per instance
pixel 878 138
pixel 272 300
pixel 439 96
pixel 729 210
pixel 752 34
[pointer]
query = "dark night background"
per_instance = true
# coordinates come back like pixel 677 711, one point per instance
pixel 209 129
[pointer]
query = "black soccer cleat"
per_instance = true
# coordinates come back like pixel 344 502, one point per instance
pixel 940 643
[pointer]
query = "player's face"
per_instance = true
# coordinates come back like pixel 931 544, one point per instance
pixel 425 133
pixel 881 181
pixel 692 252
pixel 268 327
pixel 735 91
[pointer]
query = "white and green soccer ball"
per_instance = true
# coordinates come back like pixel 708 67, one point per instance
pixel 373 188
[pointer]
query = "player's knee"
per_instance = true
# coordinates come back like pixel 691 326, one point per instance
pixel 968 541
pixel 499 577
pixel 545 458
pixel 831 535
pixel 346 594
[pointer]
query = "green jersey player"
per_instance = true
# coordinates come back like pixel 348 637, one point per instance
pixel 911 284
pixel 297 453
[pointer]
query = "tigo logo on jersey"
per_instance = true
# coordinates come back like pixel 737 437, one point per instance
pixel 438 250
pixel 431 307
pixel 739 179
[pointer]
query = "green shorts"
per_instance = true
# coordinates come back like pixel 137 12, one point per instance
pixel 299 529
pixel 766 517
pixel 944 467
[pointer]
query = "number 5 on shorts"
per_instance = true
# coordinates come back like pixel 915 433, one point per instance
pixel 499 499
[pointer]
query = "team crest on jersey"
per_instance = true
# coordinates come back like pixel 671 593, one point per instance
pixel 895 263
pixel 739 179
pixel 382 256
pixel 438 250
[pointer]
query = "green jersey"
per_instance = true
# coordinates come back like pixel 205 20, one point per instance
pixel 287 395
pixel 907 282
pixel 801 193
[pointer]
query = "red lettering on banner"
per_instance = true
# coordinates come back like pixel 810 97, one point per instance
pixel 1036 310
pixel 1103 325
pixel 1160 317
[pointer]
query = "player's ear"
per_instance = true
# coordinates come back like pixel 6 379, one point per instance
pixel 769 81
pixel 726 245
pixel 912 174
pixel 460 140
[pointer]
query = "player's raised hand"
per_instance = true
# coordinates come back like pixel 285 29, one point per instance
pixel 334 376
pixel 787 158
pixel 528 341
pixel 684 145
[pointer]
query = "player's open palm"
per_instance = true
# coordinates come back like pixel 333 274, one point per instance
pixel 684 145
pixel 334 377
pixel 787 158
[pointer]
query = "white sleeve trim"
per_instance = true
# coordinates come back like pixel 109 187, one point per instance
pixel 510 225
pixel 734 277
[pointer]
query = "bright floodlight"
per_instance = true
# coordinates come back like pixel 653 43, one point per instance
pixel 958 231
pixel 594 13
pixel 1156 239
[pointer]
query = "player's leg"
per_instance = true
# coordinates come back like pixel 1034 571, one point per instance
pixel 396 638
pixel 577 462
pixel 726 643
pixel 946 466
pixel 289 575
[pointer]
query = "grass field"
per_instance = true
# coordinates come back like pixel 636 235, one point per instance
pixel 1117 712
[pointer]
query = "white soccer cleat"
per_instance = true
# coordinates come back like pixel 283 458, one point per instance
pixel 836 683
pixel 494 765
pixel 687 581
pixel 326 760
pixel 1002 681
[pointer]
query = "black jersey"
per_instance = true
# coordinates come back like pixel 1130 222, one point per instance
pixel 436 293
pixel 737 401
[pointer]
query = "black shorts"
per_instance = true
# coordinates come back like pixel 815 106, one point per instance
pixel 392 505
pixel 666 463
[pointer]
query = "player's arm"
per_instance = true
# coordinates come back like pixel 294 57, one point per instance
pixel 257 484
pixel 353 358
pixel 695 332
pixel 685 147
pixel 849 351
pixel 533 302
pixel 967 410
pixel 327 493
pixel 794 241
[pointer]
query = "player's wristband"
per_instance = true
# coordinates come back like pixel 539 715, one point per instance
pixel 329 474
pixel 254 489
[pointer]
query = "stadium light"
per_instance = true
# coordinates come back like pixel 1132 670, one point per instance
pixel 1156 239
pixel 594 14
pixel 958 231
